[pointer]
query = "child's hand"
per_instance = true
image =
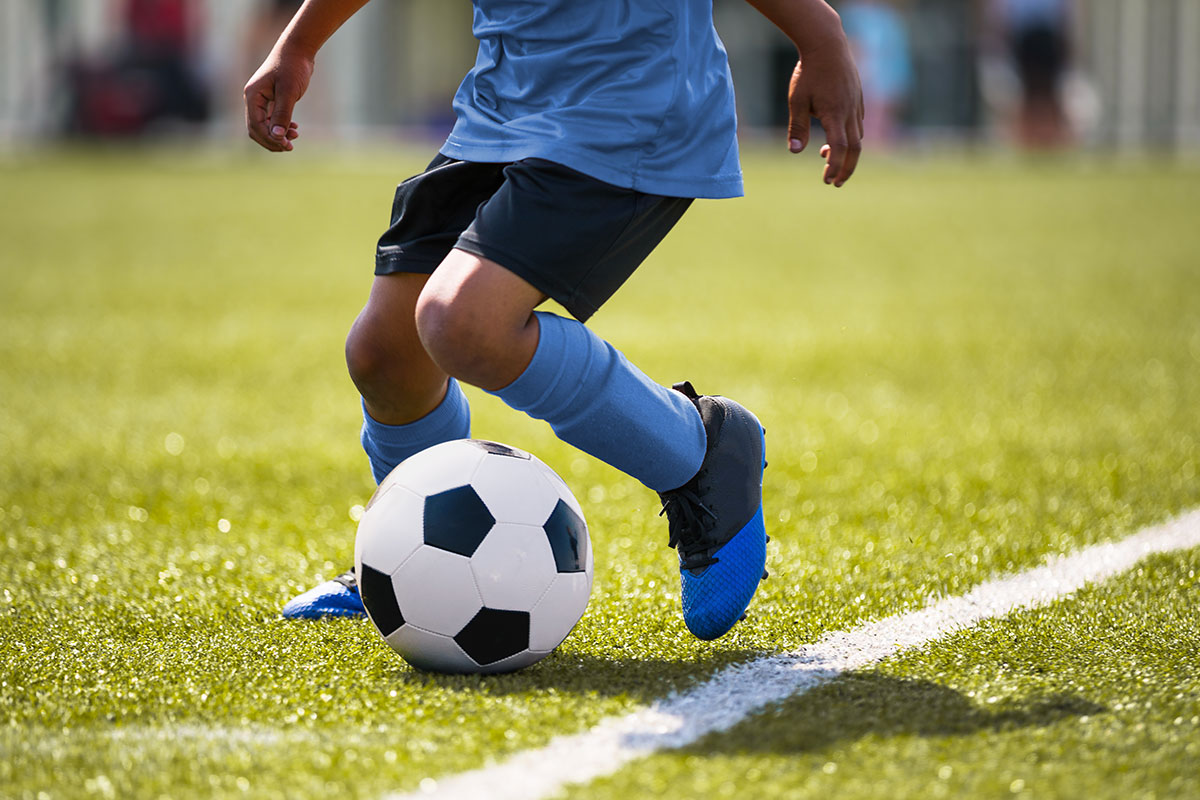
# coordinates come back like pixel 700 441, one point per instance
pixel 825 85
pixel 271 94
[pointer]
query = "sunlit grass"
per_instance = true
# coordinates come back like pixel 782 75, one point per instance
pixel 961 367
pixel 1094 696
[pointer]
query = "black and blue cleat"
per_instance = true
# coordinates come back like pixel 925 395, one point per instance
pixel 338 597
pixel 716 518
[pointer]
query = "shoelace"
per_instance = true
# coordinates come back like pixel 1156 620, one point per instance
pixel 688 520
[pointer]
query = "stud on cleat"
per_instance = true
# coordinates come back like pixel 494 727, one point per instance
pixel 716 519
pixel 765 575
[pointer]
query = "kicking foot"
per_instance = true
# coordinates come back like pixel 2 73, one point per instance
pixel 333 598
pixel 716 518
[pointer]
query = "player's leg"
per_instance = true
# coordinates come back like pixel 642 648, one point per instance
pixel 577 240
pixel 703 455
pixel 397 379
pixel 408 402
pixel 549 231
pixel 477 320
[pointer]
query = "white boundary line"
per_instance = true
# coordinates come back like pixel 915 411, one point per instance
pixel 738 691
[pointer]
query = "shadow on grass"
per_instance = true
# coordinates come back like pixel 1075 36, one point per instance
pixel 641 679
pixel 856 706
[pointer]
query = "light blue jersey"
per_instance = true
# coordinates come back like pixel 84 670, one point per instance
pixel 636 93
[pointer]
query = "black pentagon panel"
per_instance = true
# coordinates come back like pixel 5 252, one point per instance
pixel 456 520
pixel 497 449
pixel 379 597
pixel 492 635
pixel 568 538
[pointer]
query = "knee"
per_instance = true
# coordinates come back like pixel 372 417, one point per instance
pixel 475 320
pixel 368 356
pixel 454 337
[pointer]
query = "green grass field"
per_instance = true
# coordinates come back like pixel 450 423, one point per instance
pixel 962 367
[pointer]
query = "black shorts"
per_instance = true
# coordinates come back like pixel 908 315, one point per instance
pixel 572 237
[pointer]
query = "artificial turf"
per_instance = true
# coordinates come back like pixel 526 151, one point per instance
pixel 1096 695
pixel 962 366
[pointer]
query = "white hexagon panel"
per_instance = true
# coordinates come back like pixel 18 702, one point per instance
pixel 436 590
pixel 559 609
pixel 443 466
pixel 564 491
pixel 430 651
pixel 515 488
pixel 513 566
pixel 390 530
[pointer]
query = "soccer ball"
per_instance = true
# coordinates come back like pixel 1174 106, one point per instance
pixel 473 556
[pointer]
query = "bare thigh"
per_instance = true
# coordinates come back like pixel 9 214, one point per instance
pixel 475 318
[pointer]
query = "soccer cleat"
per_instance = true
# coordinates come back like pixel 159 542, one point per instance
pixel 334 598
pixel 716 518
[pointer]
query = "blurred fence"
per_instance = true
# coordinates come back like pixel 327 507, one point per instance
pixel 1144 59
pixel 72 67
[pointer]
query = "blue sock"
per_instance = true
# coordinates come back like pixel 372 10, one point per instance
pixel 388 445
pixel 597 401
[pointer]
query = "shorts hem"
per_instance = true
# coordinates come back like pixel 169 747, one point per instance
pixel 567 298
pixel 392 263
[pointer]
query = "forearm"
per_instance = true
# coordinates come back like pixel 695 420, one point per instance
pixel 810 24
pixel 273 90
pixel 824 84
pixel 314 23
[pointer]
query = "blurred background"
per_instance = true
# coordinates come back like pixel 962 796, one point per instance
pixel 1036 74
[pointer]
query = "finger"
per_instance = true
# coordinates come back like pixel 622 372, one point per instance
pixel 835 154
pixel 277 133
pixel 798 130
pixel 281 113
pixel 849 164
pixel 845 145
pixel 262 136
pixel 849 158
pixel 258 133
pixel 282 143
pixel 799 111
pixel 293 131
pixel 257 120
